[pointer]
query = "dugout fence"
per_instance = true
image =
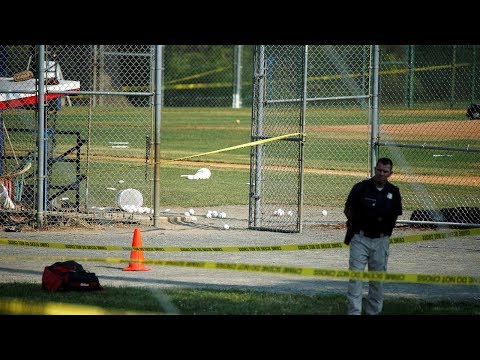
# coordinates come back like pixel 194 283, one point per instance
pixel 117 110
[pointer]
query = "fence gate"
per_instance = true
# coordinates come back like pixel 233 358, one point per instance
pixel 324 93
pixel 276 165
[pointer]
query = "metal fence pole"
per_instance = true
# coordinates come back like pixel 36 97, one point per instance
pixel 411 72
pixel 260 76
pixel 474 72
pixel 237 76
pixel 158 115
pixel 94 73
pixel 42 138
pixel 374 108
pixel 302 128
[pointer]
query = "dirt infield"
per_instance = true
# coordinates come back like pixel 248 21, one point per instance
pixel 464 129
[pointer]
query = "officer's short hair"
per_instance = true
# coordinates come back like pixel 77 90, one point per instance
pixel 385 161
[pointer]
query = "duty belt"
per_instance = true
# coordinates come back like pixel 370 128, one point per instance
pixel 371 235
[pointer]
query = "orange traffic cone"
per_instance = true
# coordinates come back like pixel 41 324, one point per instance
pixel 136 254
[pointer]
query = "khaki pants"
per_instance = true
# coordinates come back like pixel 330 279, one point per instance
pixel 374 253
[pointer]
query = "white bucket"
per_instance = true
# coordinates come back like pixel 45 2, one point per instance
pixel 129 199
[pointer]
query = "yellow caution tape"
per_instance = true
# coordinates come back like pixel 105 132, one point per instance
pixel 16 306
pixel 434 236
pixel 253 143
pixel 289 270
pixel 291 247
pixel 163 161
pixel 188 86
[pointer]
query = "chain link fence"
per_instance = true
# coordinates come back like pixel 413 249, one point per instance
pixel 322 90
pixel 100 123
pixel 89 135
pixel 99 128
pixel 425 93
pixel 275 181
pixel 206 76
pixel 419 121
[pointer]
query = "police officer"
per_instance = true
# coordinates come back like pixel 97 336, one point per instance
pixel 372 208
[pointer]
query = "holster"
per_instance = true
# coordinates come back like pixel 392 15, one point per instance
pixel 349 233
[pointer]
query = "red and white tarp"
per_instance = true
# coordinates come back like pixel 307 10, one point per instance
pixel 20 97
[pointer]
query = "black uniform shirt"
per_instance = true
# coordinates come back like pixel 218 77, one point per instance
pixel 374 211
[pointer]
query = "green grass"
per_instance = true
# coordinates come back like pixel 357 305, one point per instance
pixel 191 131
pixel 141 300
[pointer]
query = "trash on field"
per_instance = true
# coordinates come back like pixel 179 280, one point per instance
pixel 202 173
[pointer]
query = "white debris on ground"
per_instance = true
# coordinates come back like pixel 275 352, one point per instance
pixel 202 173
pixel 216 214
pixel 279 212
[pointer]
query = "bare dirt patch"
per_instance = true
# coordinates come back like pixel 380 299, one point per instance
pixel 464 129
